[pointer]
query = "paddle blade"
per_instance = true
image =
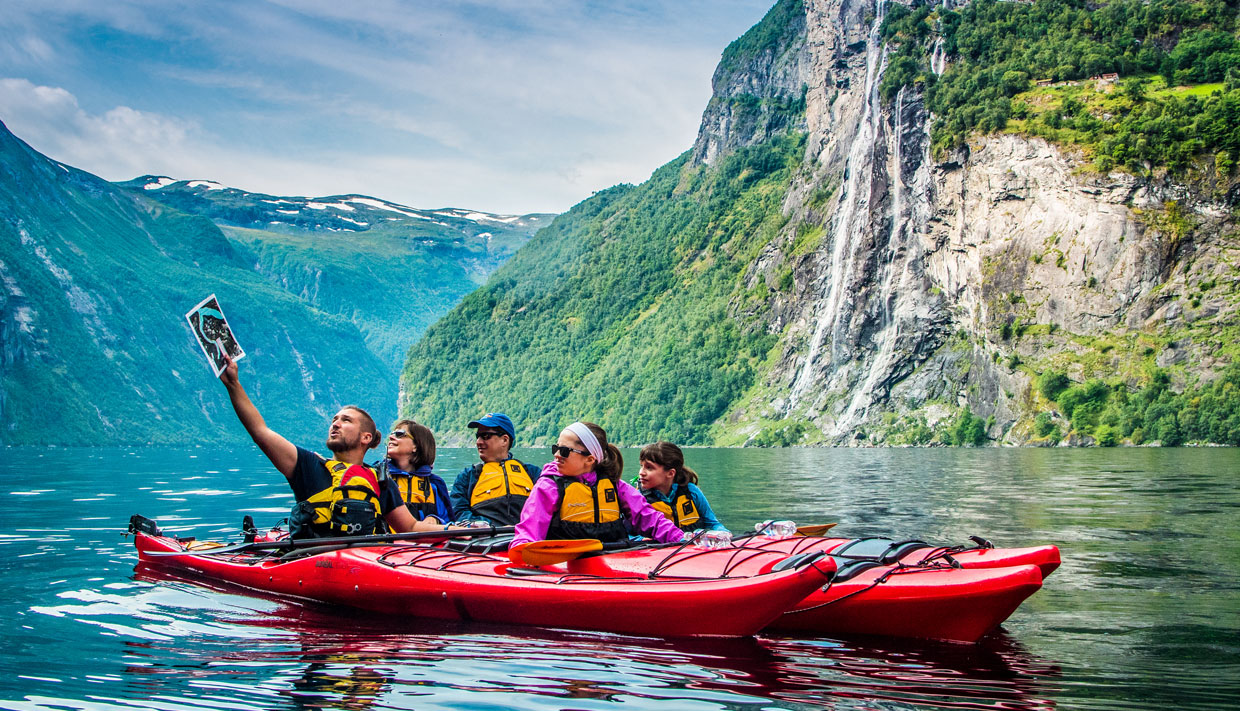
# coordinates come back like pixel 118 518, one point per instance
pixel 816 530
pixel 552 552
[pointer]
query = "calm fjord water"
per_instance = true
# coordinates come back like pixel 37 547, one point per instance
pixel 1144 612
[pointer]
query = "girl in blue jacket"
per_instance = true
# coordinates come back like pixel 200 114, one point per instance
pixel 671 488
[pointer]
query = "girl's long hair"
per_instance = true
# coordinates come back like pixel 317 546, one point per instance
pixel 669 456
pixel 612 465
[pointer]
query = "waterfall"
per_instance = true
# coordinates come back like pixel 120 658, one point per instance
pixel 896 266
pixel 854 201
pixel 907 212
pixel 938 59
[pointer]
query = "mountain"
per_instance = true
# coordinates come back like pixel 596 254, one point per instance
pixel 93 344
pixel 899 224
pixel 390 269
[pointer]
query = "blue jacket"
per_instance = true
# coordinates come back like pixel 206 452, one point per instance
pixel 463 490
pixel 443 503
pixel 706 516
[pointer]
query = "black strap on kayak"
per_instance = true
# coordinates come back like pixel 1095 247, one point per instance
pixel 488 545
pixel 945 552
pixel 852 568
pixel 248 530
pixel 797 561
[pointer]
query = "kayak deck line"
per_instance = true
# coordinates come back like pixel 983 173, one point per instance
pixel 842 575
pixel 424 557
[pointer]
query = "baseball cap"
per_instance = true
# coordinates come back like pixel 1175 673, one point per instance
pixel 499 421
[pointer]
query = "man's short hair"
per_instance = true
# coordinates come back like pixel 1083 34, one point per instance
pixel 368 425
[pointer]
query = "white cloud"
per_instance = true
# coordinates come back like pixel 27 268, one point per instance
pixel 496 105
pixel 119 144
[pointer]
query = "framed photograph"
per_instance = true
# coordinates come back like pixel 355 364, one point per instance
pixel 207 322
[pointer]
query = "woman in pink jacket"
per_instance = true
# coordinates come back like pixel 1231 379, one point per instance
pixel 580 495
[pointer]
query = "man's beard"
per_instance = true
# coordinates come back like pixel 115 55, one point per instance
pixel 343 444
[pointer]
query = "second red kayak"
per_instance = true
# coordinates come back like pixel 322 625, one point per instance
pixel 911 594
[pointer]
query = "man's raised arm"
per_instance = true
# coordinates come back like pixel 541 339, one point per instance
pixel 281 452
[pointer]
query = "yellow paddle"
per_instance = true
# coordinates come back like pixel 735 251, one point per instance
pixel 552 552
pixel 816 530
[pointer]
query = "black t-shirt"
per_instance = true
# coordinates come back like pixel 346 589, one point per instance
pixel 310 476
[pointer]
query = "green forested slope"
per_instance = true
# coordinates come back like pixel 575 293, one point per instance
pixel 999 51
pixel 621 312
pixel 389 286
pixel 92 340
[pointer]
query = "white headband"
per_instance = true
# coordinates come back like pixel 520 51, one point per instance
pixel 587 438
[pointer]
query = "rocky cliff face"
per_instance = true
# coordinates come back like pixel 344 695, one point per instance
pixel 923 286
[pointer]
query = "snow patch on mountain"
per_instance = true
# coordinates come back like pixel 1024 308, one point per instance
pixel 324 205
pixel 380 205
pixel 160 182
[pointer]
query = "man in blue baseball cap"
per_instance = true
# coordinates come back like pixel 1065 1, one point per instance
pixel 494 490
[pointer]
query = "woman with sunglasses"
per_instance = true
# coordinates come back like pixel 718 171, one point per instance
pixel 580 495
pixel 410 458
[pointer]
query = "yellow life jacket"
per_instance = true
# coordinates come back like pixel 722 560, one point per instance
pixel 681 510
pixel 585 511
pixel 418 494
pixel 501 492
pixel 350 506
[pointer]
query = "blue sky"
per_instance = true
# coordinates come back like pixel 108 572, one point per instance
pixel 498 105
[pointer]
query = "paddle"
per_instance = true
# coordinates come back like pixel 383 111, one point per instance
pixel 815 530
pixel 537 553
pixel 343 541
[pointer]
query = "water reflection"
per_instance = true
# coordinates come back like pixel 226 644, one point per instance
pixel 320 658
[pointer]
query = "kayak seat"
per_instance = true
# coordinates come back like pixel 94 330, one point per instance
pixel 489 544
pixel 846 568
pixel 882 550
pixel 141 524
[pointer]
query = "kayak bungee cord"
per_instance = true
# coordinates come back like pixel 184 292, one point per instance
pixel 899 569
pixel 947 551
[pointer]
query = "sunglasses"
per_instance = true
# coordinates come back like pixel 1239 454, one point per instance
pixel 397 434
pixel 487 435
pixel 563 451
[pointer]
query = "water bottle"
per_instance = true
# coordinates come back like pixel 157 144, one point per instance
pixel 713 540
pixel 776 529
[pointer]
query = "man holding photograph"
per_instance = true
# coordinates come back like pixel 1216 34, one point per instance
pixel 340 496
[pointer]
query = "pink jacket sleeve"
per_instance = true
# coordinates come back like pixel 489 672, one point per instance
pixel 644 519
pixel 538 509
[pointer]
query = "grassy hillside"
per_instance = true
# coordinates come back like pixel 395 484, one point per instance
pixel 621 312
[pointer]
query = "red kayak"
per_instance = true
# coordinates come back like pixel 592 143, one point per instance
pixel 914 595
pixel 420 580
